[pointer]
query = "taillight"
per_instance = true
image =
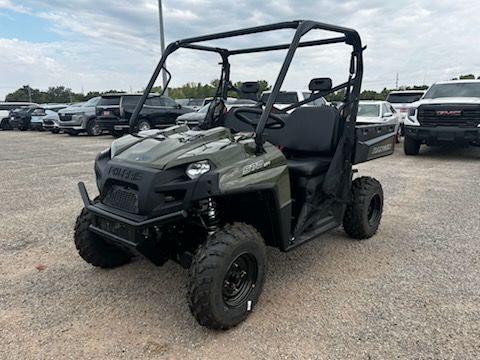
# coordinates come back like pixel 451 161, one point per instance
pixel 403 109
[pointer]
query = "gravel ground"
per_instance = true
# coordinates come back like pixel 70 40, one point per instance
pixel 412 291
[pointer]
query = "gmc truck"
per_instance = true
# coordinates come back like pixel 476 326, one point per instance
pixel 448 113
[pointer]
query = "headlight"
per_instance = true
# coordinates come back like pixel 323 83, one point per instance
pixel 198 168
pixel 411 119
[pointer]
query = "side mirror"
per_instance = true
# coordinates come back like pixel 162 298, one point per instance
pixel 178 106
pixel 320 84
pixel 387 114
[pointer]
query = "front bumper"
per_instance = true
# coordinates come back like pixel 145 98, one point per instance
pixel 36 126
pixel 443 134
pixel 70 127
pixel 125 230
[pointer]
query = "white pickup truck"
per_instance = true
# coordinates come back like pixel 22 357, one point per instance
pixel 448 113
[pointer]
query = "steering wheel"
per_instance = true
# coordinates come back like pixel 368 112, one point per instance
pixel 276 123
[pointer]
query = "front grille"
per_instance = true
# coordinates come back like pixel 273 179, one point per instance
pixel 65 117
pixel 122 198
pixel 469 115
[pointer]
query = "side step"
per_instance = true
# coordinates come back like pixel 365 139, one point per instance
pixel 322 226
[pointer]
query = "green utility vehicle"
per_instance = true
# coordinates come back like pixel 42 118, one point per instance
pixel 213 197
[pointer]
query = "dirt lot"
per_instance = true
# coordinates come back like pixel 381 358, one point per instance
pixel 412 291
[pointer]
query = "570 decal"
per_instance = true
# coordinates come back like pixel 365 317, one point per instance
pixel 257 165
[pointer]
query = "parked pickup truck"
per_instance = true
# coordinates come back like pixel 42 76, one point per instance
pixel 448 113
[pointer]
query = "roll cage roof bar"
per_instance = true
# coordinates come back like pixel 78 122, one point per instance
pixel 302 27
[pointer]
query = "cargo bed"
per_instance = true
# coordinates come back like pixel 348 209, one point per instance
pixel 373 141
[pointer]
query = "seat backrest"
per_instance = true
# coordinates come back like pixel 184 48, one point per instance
pixel 311 129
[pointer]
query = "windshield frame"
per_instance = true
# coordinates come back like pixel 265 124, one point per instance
pixel 301 27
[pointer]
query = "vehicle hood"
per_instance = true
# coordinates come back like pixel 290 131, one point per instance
pixel 449 100
pixel 77 109
pixel 177 145
pixel 192 116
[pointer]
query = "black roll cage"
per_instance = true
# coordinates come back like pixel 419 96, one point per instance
pixel 302 27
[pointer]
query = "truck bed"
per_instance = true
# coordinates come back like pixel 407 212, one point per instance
pixel 373 141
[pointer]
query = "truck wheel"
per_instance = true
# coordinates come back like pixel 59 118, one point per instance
pixel 411 146
pixel 226 276
pixel 93 249
pixel 93 129
pixel 362 216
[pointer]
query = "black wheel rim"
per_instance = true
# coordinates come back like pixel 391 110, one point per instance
pixel 240 280
pixel 374 209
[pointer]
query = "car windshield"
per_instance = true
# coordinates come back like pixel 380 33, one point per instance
pixel 283 98
pixel 92 102
pixel 454 90
pixel 203 109
pixel 404 98
pixel 369 110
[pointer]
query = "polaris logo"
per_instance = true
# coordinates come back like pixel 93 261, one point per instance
pixel 448 112
pixel 126 174
pixel 383 148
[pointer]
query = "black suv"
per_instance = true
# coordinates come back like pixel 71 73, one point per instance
pixel 114 111
pixel 20 118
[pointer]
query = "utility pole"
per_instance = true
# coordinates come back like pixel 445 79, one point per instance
pixel 29 93
pixel 396 82
pixel 162 45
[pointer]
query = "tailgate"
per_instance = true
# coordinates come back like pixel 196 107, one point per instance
pixel 373 141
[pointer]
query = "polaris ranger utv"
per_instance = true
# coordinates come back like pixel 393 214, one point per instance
pixel 213 197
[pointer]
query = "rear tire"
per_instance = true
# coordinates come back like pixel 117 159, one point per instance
pixel 95 250
pixel 144 125
pixel 226 276
pixel 362 216
pixel 411 146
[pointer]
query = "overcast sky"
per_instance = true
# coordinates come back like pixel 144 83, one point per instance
pixel 101 45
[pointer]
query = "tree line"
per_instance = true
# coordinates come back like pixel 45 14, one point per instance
pixel 62 94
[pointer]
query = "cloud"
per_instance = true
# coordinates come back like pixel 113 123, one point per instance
pixel 104 44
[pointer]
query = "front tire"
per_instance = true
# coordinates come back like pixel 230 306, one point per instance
pixel 411 146
pixel 226 276
pixel 95 250
pixel 362 216
pixel 93 129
